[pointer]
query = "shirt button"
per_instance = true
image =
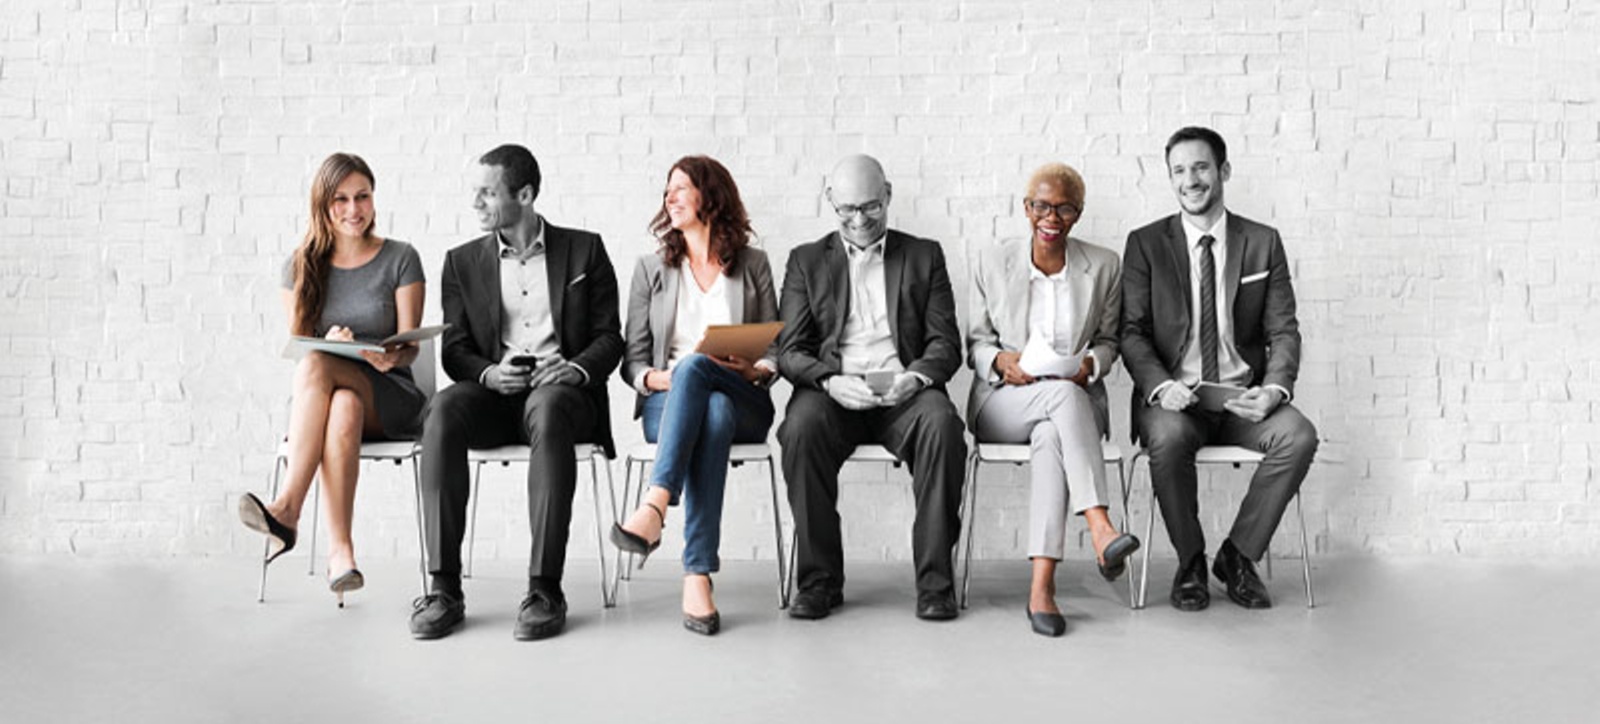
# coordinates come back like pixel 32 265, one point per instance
pixel 524 292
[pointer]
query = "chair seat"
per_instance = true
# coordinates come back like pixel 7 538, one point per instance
pixel 872 454
pixel 376 450
pixel 739 453
pixel 1228 454
pixel 519 453
pixel 1019 453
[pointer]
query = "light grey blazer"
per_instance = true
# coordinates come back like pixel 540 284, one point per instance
pixel 653 306
pixel 998 308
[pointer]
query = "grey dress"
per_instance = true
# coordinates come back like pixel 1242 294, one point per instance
pixel 362 299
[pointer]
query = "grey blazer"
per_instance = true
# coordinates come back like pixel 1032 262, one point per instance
pixel 999 312
pixel 653 303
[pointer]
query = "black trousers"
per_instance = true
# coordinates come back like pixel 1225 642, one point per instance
pixel 925 432
pixel 1286 437
pixel 550 420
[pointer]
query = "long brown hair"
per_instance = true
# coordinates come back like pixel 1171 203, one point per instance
pixel 312 258
pixel 720 209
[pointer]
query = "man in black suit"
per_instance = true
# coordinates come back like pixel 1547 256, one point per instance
pixel 867 298
pixel 534 333
pixel 1206 297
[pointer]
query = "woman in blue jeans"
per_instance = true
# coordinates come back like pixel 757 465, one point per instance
pixel 695 407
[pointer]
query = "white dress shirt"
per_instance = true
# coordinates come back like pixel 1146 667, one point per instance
pixel 868 343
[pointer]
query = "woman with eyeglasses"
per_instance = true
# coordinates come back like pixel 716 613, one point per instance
pixel 344 282
pixel 695 407
pixel 1044 317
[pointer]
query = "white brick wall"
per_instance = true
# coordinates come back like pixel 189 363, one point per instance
pixel 1433 170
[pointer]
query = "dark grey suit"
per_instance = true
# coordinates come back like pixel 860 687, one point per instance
pixel 1156 318
pixel 551 419
pixel 817 434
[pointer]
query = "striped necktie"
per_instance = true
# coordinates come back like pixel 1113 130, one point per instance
pixel 1208 310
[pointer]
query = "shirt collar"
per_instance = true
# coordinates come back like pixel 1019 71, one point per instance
pixel 1218 231
pixel 870 250
pixel 535 249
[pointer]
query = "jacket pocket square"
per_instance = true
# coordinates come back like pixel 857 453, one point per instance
pixel 585 275
pixel 1254 278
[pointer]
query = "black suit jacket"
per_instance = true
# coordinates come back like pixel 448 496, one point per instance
pixel 583 305
pixel 1157 314
pixel 816 302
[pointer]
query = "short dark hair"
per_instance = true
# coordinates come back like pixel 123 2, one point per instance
pixel 521 168
pixel 1219 147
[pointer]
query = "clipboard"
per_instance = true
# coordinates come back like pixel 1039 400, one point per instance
pixel 1212 395
pixel 749 341
pixel 298 346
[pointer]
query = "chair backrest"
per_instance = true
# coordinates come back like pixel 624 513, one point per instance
pixel 425 371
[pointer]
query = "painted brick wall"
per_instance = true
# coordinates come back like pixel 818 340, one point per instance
pixel 1432 167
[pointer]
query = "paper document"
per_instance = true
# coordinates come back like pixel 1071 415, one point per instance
pixel 1041 360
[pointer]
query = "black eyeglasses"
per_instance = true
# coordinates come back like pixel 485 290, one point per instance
pixel 847 211
pixel 1040 208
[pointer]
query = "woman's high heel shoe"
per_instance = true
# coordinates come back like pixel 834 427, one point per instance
pixel 350 580
pixel 253 513
pixel 707 625
pixel 634 543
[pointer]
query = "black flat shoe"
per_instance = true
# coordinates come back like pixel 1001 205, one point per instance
pixel 254 515
pixel 1116 556
pixel 350 580
pixel 1047 624
pixel 635 543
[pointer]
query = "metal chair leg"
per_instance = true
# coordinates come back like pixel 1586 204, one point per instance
pixel 1149 530
pixel 472 520
pixel 1127 515
pixel 1305 553
pixel 316 500
pixel 969 511
pixel 777 533
pixel 599 527
pixel 278 466
pixel 422 536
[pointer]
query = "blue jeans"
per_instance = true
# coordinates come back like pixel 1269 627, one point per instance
pixel 693 426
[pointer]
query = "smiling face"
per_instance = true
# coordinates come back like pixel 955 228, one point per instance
pixel 1196 177
pixel 860 196
pixel 498 207
pixel 350 210
pixel 1043 207
pixel 682 201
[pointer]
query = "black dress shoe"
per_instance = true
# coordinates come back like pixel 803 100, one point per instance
pixel 543 614
pixel 1116 556
pixel 1238 576
pixel 1047 624
pixel 253 513
pixel 436 615
pixel 815 602
pixel 1189 587
pixel 937 605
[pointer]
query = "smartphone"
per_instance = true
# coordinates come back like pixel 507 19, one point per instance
pixel 525 360
pixel 880 381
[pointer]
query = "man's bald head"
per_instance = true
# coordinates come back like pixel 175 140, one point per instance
pixel 860 192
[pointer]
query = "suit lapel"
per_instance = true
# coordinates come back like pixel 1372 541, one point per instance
pixel 894 266
pixel 1016 294
pixel 556 255
pixel 1178 249
pixel 1234 263
pixel 835 282
pixel 488 262
pixel 666 309
pixel 1080 282
pixel 735 288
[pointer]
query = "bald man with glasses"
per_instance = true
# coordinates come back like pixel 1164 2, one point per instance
pixel 869 299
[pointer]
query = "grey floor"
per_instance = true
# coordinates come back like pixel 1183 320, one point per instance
pixel 185 641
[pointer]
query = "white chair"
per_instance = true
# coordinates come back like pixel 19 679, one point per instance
pixel 508 454
pixel 1221 455
pixel 986 453
pixel 862 454
pixel 396 451
pixel 644 456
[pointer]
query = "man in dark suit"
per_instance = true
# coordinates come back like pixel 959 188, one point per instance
pixel 1206 298
pixel 869 299
pixel 534 333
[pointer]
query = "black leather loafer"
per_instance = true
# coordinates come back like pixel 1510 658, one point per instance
pixel 1238 577
pixel 1189 587
pixel 542 615
pixel 436 615
pixel 815 602
pixel 937 605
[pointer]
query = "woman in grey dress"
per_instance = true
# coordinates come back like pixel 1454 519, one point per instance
pixel 343 282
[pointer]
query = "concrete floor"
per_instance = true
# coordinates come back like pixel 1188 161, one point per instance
pixel 185 641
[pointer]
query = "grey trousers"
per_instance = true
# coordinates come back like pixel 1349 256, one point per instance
pixel 1056 418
